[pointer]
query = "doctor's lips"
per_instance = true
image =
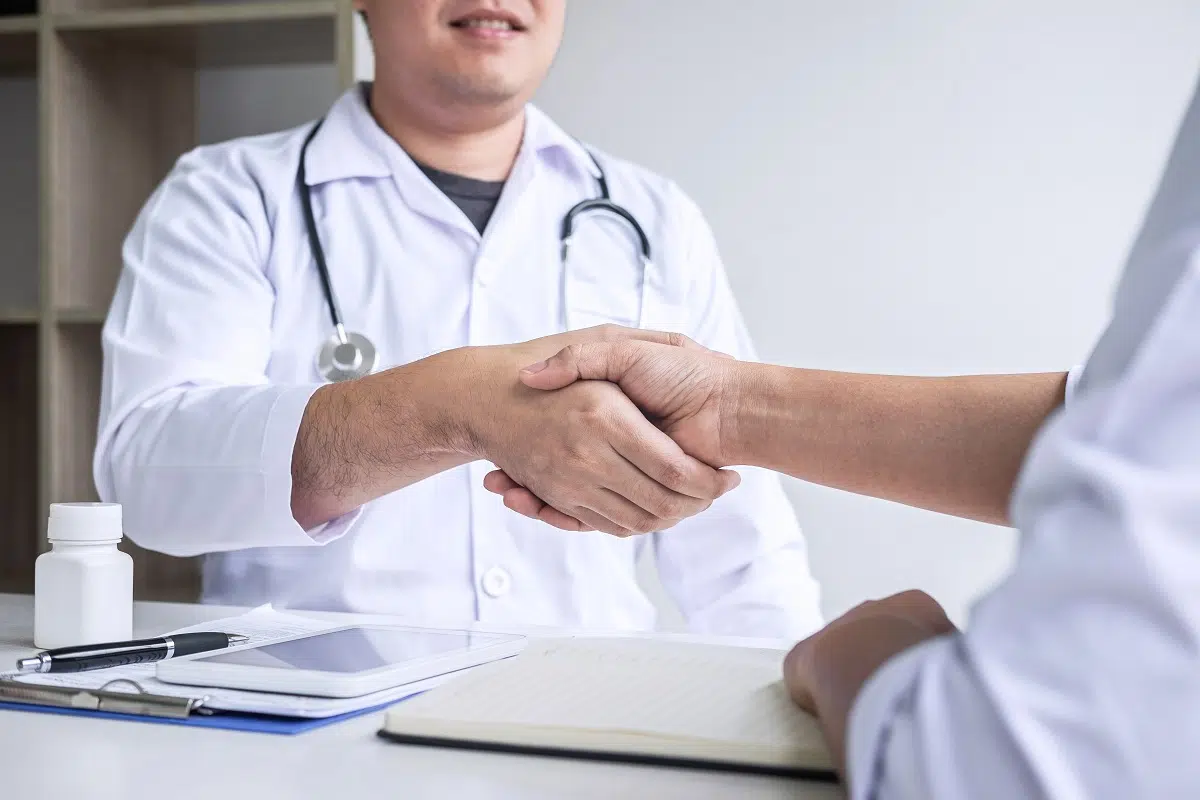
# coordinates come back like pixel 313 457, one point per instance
pixel 490 23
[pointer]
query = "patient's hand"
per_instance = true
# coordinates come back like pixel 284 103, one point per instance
pixel 685 390
pixel 825 672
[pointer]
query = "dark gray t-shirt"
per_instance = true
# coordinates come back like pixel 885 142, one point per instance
pixel 477 199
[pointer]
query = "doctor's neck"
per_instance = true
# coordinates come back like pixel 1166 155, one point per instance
pixel 472 141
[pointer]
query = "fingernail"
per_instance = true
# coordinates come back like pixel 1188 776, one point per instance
pixel 533 369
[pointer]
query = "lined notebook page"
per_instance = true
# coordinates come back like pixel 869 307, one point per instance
pixel 643 688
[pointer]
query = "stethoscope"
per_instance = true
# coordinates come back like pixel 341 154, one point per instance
pixel 346 355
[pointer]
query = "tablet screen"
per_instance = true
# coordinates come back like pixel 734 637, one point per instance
pixel 356 649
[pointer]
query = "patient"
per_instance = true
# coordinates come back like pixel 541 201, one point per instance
pixel 1079 676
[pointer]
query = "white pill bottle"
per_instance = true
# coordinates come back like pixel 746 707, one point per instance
pixel 83 587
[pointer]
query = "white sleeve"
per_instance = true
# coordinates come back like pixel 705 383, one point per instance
pixel 741 567
pixel 1073 376
pixel 1079 675
pixel 193 441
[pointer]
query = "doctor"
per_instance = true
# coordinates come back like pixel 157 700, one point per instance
pixel 1079 676
pixel 422 226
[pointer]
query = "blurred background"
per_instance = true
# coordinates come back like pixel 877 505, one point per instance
pixel 939 187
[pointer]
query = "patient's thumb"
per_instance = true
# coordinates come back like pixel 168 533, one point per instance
pixel 554 373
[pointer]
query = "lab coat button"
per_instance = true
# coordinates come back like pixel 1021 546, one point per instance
pixel 496 582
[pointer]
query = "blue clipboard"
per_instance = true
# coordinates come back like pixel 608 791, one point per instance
pixel 230 721
pixel 138 706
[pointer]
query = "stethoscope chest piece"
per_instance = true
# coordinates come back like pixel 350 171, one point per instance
pixel 346 356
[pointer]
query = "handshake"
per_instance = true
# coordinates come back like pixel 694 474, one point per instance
pixel 617 430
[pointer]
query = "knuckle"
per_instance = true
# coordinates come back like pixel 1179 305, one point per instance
pixel 572 458
pixel 671 507
pixel 917 597
pixel 618 530
pixel 593 416
pixel 674 474
pixel 571 352
pixel 646 522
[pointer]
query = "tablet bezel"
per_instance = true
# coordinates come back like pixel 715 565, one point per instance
pixel 194 670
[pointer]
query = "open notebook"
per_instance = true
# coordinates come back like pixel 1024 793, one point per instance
pixel 635 700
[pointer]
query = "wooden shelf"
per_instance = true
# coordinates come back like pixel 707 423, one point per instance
pixel 81 316
pixel 98 99
pixel 19 23
pixel 237 34
pixel 18 45
pixel 19 316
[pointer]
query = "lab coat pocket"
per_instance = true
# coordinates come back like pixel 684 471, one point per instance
pixel 592 303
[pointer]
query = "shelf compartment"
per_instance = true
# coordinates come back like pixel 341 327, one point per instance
pixel 215 35
pixel 118 122
pixel 19 45
pixel 20 203
pixel 19 514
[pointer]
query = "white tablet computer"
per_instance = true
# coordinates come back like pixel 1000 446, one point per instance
pixel 341 662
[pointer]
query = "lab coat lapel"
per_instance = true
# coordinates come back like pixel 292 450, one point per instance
pixel 351 144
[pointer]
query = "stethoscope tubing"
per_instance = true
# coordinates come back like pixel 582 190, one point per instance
pixel 341 338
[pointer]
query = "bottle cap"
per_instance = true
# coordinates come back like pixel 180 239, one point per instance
pixel 84 522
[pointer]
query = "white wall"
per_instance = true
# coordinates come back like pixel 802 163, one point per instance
pixel 929 188
pixel 935 187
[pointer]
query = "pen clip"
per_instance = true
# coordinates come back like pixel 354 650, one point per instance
pixel 137 702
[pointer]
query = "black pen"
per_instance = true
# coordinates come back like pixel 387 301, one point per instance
pixel 118 654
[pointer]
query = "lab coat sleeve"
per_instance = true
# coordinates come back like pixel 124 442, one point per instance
pixel 1073 375
pixel 1078 675
pixel 741 567
pixel 193 441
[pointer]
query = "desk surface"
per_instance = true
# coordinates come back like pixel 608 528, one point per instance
pixel 52 756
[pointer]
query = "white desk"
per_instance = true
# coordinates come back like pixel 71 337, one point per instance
pixel 48 756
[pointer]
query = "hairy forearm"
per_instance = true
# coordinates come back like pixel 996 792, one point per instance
pixel 953 445
pixel 363 439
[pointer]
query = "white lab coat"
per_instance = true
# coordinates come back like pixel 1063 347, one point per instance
pixel 209 362
pixel 1079 676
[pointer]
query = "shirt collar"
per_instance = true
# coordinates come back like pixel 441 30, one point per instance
pixel 348 144
pixel 351 144
pixel 542 135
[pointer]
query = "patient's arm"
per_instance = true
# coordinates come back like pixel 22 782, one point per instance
pixel 952 444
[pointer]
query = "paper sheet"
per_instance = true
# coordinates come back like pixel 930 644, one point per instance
pixel 263 624
pixel 664 689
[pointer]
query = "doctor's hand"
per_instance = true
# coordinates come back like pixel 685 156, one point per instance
pixel 586 452
pixel 686 391
pixel 825 672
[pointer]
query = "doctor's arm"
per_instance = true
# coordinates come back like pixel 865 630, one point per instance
pixel 207 455
pixel 359 440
